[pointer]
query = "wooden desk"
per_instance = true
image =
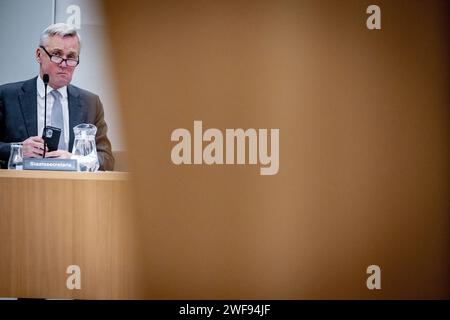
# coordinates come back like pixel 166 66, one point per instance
pixel 50 220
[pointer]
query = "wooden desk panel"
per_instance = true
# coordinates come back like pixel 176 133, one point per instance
pixel 50 220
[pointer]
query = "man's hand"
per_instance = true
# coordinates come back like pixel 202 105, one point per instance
pixel 33 147
pixel 59 154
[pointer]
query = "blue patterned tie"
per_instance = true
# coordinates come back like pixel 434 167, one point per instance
pixel 57 119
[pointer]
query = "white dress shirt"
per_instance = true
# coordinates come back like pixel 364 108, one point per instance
pixel 50 99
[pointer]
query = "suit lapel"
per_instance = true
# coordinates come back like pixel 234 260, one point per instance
pixel 28 105
pixel 75 112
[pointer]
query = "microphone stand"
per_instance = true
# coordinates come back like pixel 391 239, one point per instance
pixel 45 79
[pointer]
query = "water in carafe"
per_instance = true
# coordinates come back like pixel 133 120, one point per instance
pixel 15 158
pixel 84 148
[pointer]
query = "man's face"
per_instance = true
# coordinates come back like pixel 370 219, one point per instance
pixel 60 73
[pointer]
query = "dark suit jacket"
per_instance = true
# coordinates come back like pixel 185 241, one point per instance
pixel 18 118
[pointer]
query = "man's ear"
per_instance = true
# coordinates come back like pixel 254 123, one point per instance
pixel 38 55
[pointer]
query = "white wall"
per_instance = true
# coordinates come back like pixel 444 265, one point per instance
pixel 21 22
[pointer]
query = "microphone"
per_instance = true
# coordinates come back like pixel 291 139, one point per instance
pixel 46 79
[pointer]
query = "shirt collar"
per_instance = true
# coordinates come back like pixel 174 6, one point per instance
pixel 41 89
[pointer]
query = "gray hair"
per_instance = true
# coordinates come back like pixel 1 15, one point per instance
pixel 61 29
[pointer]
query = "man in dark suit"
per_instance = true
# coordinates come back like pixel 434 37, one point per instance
pixel 22 103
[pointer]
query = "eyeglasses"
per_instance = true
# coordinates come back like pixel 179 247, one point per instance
pixel 57 59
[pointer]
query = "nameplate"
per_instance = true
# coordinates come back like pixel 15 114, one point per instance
pixel 50 164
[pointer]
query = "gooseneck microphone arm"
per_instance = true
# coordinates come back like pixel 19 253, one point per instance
pixel 46 79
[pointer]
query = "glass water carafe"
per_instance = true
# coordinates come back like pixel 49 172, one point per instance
pixel 84 148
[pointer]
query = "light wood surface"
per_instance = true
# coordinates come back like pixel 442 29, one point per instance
pixel 50 220
pixel 364 146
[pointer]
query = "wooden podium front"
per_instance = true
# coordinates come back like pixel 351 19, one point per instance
pixel 52 220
